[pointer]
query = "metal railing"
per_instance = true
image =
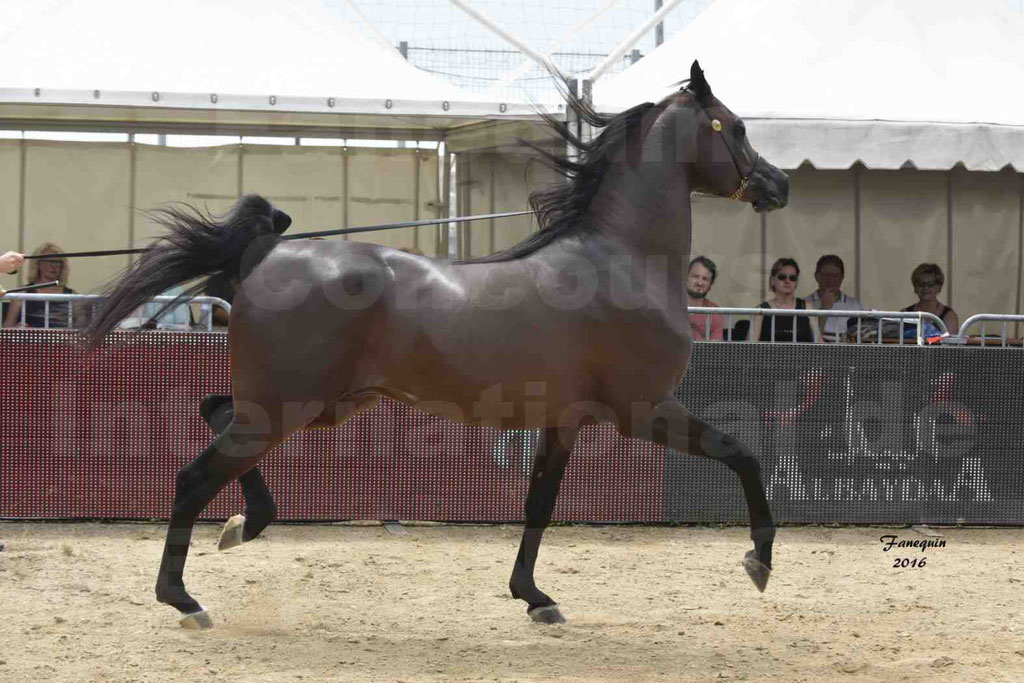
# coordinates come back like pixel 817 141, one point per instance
pixel 1003 339
pixel 897 320
pixel 206 303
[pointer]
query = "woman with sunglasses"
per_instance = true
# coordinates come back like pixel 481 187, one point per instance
pixel 782 282
pixel 44 270
pixel 927 280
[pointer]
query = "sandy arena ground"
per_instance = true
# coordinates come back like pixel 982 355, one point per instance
pixel 359 603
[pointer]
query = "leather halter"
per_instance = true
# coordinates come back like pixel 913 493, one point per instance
pixel 744 179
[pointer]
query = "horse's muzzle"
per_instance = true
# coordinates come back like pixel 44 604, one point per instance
pixel 769 189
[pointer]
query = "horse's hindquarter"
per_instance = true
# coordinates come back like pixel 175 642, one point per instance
pixel 305 317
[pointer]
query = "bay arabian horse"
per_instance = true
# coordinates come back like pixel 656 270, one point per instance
pixel 583 322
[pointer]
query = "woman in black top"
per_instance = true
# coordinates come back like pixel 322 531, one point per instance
pixel 783 279
pixel 44 270
pixel 927 280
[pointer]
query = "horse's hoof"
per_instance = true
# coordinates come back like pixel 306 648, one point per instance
pixel 548 614
pixel 197 621
pixel 757 570
pixel 231 534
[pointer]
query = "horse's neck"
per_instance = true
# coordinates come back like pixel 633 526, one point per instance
pixel 645 212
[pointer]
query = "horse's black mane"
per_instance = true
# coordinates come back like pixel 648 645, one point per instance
pixel 561 207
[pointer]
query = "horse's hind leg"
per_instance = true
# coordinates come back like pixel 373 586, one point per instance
pixel 672 424
pixel 260 510
pixel 233 453
pixel 548 467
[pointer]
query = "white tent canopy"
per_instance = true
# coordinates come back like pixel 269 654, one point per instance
pixel 929 83
pixel 230 63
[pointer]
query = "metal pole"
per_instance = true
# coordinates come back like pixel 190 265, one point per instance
pixel 573 120
pixel 445 170
pixel 659 30
pixel 527 50
pixel 509 78
pixel 632 40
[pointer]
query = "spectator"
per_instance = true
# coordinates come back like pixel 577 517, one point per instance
pixel 44 270
pixel 699 279
pixel 927 280
pixel 829 273
pixel 784 275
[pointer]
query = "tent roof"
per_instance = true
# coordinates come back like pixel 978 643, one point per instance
pixel 227 64
pixel 925 82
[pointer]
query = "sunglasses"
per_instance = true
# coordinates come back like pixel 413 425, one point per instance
pixel 926 284
pixel 792 278
pixel 51 262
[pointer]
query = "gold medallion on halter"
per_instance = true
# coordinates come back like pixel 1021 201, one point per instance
pixel 716 125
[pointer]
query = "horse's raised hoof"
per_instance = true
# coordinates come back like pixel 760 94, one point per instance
pixel 757 570
pixel 231 534
pixel 548 614
pixel 197 621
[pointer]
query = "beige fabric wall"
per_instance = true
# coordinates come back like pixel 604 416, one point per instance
pixel 79 196
pixel 90 196
pixel 82 196
pixel 10 193
pixel 495 183
pixel 429 202
pixel 382 188
pixel 729 233
pixel 903 223
pixel 1020 275
pixel 986 223
pixel 206 178
pixel 818 220
pixel 307 183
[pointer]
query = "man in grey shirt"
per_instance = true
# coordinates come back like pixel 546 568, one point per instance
pixel 829 273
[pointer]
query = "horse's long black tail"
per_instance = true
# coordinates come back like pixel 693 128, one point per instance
pixel 196 244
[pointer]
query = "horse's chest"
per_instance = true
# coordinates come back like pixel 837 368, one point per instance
pixel 663 338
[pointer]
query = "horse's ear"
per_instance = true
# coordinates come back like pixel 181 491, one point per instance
pixel 281 221
pixel 698 84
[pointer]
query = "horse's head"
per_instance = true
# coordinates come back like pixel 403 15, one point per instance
pixel 725 164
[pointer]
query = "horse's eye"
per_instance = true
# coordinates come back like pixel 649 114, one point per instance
pixel 741 129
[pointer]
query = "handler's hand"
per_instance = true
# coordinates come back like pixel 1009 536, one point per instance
pixel 11 262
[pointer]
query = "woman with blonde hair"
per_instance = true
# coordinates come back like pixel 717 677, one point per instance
pixel 44 270
pixel 927 280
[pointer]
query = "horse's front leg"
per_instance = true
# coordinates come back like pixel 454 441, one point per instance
pixel 672 425
pixel 553 451
pixel 260 510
